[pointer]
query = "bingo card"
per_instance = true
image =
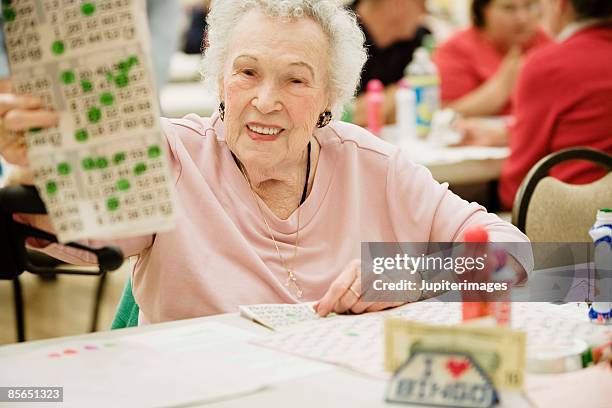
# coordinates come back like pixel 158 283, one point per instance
pixel 103 172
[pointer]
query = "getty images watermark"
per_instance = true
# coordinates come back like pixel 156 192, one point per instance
pixel 555 272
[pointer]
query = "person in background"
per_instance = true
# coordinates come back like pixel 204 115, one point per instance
pixel 393 31
pixel 564 95
pixel 194 37
pixel 478 66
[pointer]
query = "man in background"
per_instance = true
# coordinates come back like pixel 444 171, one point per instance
pixel 393 30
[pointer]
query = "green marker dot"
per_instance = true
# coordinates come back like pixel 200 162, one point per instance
pixel 121 80
pixel 123 185
pixel 63 169
pixel 154 152
pixel 124 66
pixel 81 135
pixel 35 130
pixel 112 204
pixel 132 60
pixel 68 77
pixel 89 163
pixel 51 187
pixel 140 168
pixel 94 115
pixel 119 158
pixel 9 14
pixel 109 76
pixel 86 85
pixel 88 9
pixel 107 99
pixel 101 163
pixel 58 47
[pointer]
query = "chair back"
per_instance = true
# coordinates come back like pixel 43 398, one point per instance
pixel 549 210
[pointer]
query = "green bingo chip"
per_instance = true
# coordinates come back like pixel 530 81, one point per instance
pixel 63 169
pixel 58 47
pixel 123 185
pixel 89 163
pixel 88 9
pixel 140 168
pixel 119 158
pixel 51 187
pixel 154 152
pixel 81 135
pixel 94 115
pixel 101 163
pixel 112 203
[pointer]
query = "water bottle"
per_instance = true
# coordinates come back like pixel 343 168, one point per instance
pixel 374 100
pixel 601 233
pixel 405 110
pixel 423 77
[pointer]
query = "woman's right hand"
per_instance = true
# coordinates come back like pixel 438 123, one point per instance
pixel 19 113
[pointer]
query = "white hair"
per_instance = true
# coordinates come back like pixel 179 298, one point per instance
pixel 339 24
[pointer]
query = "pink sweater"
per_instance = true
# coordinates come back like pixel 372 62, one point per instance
pixel 220 254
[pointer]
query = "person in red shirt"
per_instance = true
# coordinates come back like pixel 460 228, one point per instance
pixel 478 66
pixel 564 95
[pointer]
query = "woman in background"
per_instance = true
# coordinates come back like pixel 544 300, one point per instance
pixel 478 66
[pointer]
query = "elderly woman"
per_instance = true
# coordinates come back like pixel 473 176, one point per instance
pixel 275 199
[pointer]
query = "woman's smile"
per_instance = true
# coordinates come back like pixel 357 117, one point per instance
pixel 263 133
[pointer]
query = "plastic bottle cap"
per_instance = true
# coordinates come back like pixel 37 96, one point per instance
pixel 604 215
pixel 476 234
pixel 374 85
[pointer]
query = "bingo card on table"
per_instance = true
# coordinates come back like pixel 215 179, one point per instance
pixel 103 172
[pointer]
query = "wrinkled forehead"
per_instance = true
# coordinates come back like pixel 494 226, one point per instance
pixel 281 39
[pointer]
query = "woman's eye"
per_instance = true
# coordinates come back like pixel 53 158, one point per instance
pixel 296 81
pixel 248 72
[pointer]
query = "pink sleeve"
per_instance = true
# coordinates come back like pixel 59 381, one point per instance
pixel 456 71
pixel 419 203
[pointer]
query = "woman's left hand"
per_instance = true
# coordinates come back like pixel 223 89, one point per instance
pixel 344 294
pixel 482 132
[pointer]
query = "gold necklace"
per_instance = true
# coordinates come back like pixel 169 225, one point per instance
pixel 291 279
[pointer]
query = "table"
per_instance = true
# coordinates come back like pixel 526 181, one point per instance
pixel 453 165
pixel 325 385
pixel 332 386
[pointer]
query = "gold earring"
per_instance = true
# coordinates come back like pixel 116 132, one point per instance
pixel 221 110
pixel 324 119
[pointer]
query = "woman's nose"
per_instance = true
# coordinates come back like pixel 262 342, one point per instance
pixel 267 99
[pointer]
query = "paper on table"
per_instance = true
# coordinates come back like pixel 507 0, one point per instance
pixel 198 363
pixel 103 171
pixel 589 387
pixel 279 316
pixel 356 342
